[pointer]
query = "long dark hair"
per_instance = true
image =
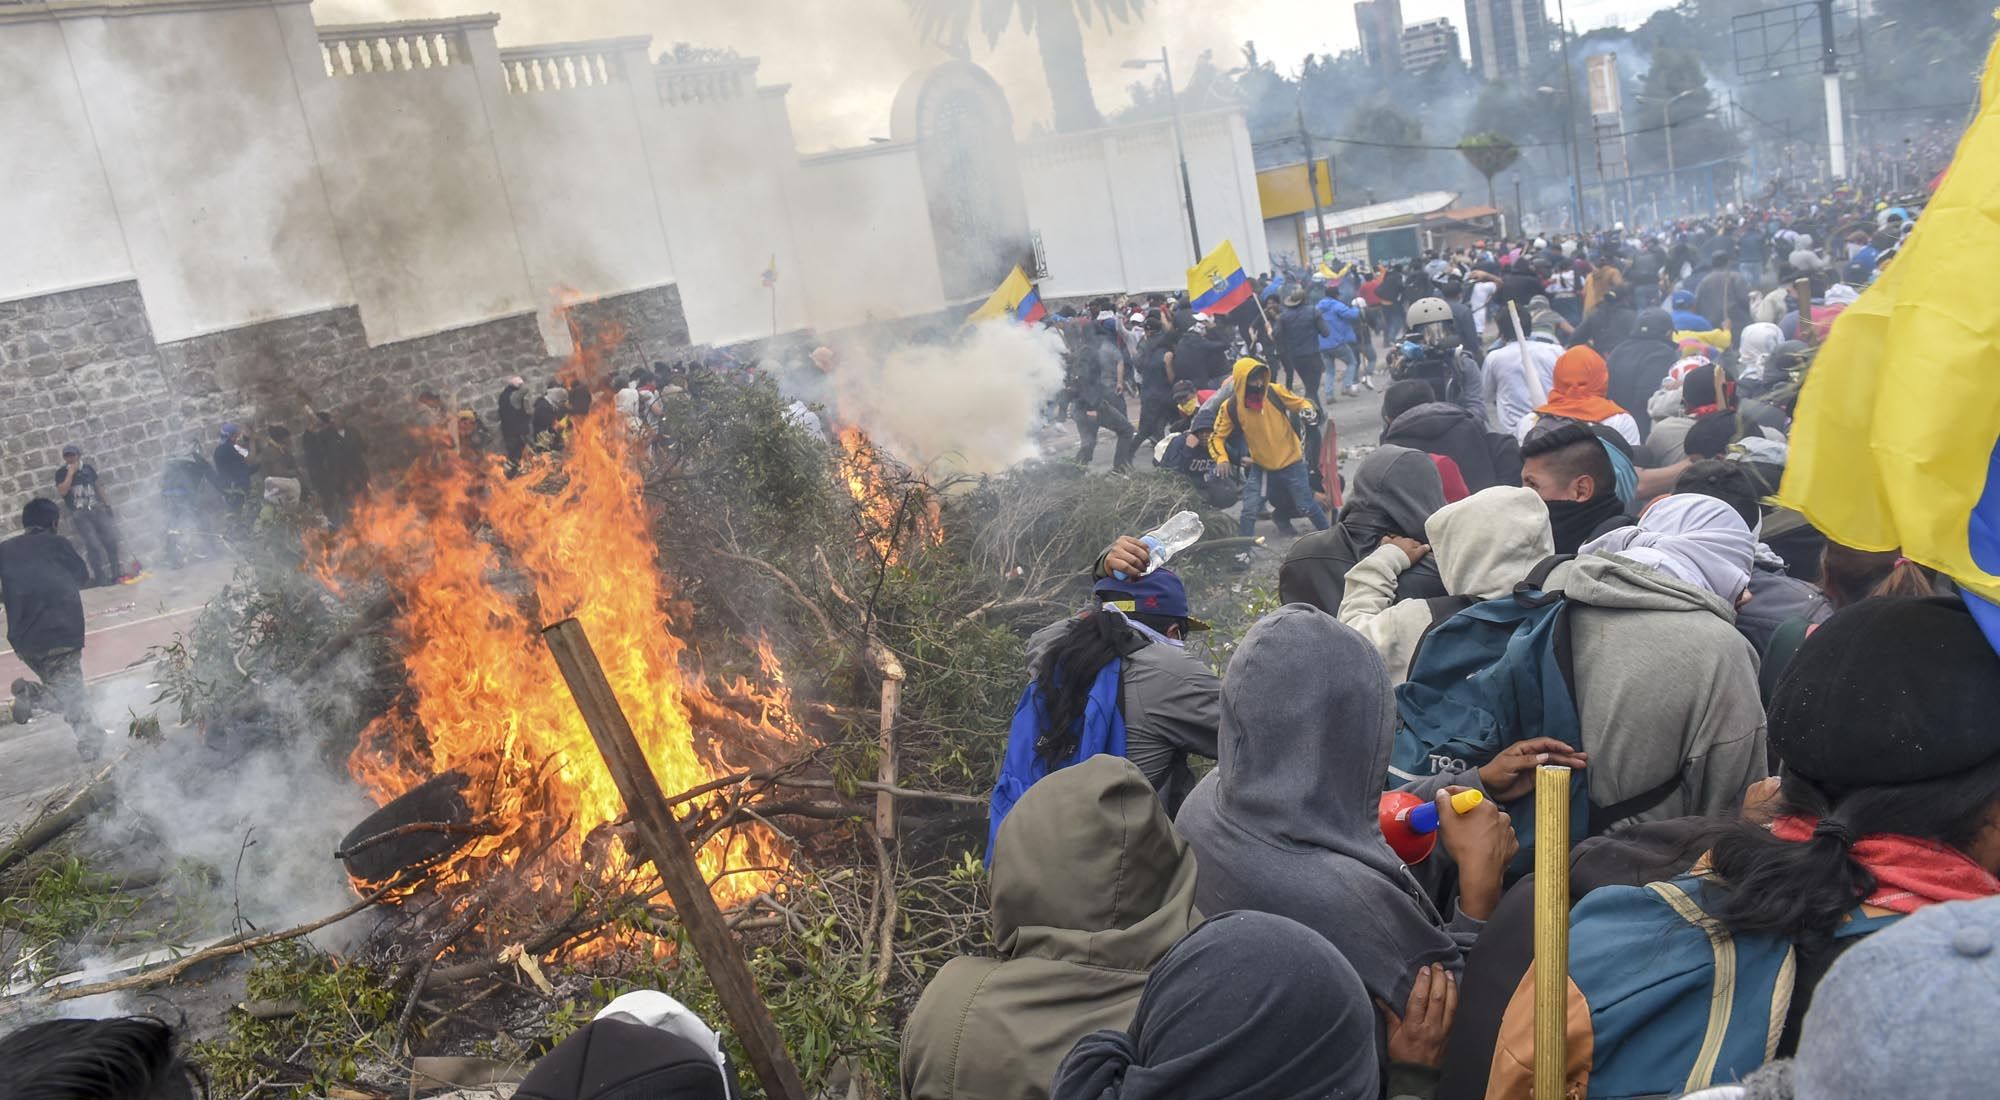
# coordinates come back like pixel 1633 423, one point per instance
pixel 1804 889
pixel 129 1058
pixel 1066 673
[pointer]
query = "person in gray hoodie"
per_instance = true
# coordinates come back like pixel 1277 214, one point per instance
pixel 1666 688
pixel 1091 888
pixel 1483 545
pixel 1394 492
pixel 1287 821
pixel 1167 696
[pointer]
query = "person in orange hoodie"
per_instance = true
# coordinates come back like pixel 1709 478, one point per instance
pixel 1259 410
pixel 1579 394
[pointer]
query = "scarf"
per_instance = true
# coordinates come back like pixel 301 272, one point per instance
pixel 1910 872
pixel 1581 382
pixel 1575 522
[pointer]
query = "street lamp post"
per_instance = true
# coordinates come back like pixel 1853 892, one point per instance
pixel 1520 214
pixel 1180 143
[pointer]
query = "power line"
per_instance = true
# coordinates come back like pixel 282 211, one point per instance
pixel 1293 138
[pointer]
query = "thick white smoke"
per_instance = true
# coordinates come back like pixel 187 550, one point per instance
pixel 966 407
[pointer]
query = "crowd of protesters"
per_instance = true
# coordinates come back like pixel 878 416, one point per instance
pixel 1563 550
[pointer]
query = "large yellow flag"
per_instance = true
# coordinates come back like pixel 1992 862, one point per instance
pixel 1897 441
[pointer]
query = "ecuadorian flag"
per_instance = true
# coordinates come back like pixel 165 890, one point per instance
pixel 1217 284
pixel 1017 298
pixel 1897 440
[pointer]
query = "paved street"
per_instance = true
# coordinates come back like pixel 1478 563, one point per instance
pixel 38 761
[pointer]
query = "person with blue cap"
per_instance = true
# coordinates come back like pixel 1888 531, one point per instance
pixel 1115 679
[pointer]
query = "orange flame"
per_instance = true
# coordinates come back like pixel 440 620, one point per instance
pixel 455 545
pixel 888 520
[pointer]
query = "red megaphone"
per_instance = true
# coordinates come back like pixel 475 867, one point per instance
pixel 1410 824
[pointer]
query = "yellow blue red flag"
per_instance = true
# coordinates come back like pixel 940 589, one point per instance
pixel 1217 284
pixel 1897 441
pixel 1017 298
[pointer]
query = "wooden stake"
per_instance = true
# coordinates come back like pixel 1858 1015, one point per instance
pixel 663 842
pixel 1551 930
pixel 885 766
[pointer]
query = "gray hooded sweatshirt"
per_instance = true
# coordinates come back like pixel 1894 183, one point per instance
pixel 1090 888
pixel 1484 546
pixel 1666 689
pixel 1395 491
pixel 1287 821
pixel 1169 699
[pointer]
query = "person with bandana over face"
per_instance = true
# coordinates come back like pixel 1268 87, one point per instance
pixel 1259 412
pixel 1576 474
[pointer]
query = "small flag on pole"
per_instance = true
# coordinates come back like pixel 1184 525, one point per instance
pixel 1017 298
pixel 1897 441
pixel 1217 284
pixel 771 272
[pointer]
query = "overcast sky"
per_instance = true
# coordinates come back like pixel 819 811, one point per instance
pixel 845 58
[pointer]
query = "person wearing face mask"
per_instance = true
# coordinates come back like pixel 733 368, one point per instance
pixel 1576 474
pixel 1259 412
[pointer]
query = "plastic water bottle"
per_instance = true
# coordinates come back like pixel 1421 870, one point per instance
pixel 1182 530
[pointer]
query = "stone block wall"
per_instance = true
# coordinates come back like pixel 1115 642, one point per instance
pixel 82 366
pixel 631 331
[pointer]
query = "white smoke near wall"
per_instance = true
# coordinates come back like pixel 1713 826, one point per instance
pixel 969 407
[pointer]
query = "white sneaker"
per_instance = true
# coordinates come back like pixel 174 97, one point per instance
pixel 1369 382
pixel 1351 390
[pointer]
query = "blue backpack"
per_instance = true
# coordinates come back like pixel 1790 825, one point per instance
pixel 1102 732
pixel 1675 1001
pixel 1492 674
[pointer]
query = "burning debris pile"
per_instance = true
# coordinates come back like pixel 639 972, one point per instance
pixel 478 562
pixel 815 646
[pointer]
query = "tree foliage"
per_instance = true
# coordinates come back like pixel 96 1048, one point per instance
pixel 1489 154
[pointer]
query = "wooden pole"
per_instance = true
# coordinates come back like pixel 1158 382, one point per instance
pixel 885 767
pixel 663 842
pixel 1551 930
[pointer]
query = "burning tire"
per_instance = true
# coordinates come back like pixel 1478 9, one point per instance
pixel 377 850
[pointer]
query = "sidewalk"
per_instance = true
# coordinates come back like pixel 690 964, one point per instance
pixel 123 621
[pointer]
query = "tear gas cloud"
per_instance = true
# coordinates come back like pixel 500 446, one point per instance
pixel 966 407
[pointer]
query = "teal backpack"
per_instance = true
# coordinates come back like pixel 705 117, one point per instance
pixel 1678 1003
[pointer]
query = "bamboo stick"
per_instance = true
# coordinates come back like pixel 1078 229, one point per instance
pixel 1551 930
pixel 663 842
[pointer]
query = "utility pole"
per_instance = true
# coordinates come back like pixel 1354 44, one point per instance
pixel 1312 184
pixel 1569 118
pixel 1836 125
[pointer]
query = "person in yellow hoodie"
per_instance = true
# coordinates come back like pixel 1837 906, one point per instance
pixel 1260 411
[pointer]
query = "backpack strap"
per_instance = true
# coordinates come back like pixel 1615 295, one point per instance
pixel 1722 994
pixel 1444 607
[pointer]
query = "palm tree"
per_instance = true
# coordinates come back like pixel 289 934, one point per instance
pixel 1058 29
pixel 1490 154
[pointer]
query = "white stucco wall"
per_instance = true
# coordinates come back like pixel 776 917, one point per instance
pixel 722 194
pixel 57 219
pixel 202 148
pixel 413 172
pixel 578 174
pixel 863 223
pixel 1108 204
pixel 197 120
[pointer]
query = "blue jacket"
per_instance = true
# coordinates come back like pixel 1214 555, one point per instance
pixel 1339 323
